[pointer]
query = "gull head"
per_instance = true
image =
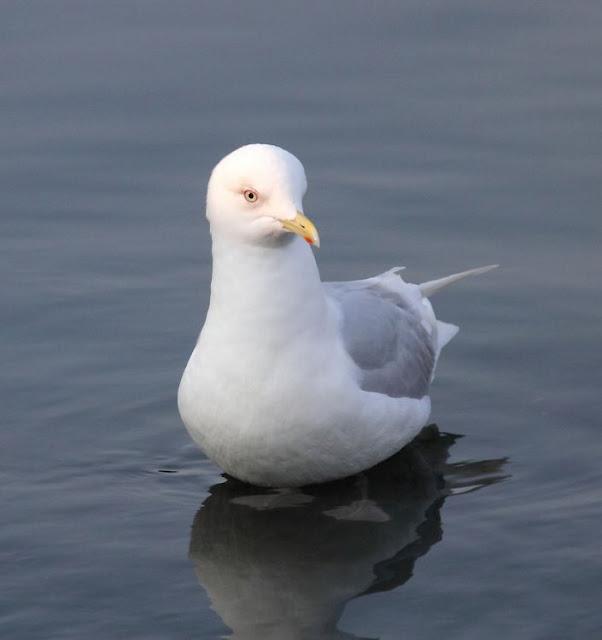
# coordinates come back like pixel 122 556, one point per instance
pixel 255 195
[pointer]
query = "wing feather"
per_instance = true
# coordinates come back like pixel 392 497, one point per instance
pixel 384 333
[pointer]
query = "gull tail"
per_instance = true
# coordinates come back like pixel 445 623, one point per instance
pixel 432 286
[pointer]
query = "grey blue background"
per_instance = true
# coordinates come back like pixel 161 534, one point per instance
pixel 435 135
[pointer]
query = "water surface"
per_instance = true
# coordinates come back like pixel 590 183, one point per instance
pixel 436 136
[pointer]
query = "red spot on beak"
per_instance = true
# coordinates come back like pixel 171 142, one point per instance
pixel 308 240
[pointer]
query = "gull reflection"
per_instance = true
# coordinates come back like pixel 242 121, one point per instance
pixel 280 564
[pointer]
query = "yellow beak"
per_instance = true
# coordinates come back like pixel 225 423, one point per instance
pixel 303 227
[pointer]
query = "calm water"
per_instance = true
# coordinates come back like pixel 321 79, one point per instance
pixel 440 136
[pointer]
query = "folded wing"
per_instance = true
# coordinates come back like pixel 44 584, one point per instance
pixel 386 333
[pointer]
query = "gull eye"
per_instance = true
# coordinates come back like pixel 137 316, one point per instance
pixel 250 195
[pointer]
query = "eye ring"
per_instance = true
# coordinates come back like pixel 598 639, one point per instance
pixel 250 195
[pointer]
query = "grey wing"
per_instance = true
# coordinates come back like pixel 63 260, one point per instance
pixel 384 336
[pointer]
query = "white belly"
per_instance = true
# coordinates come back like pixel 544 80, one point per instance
pixel 273 426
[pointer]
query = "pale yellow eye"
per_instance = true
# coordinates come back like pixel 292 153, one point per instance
pixel 250 195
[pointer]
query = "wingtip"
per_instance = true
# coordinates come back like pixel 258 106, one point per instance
pixel 431 287
pixel 485 269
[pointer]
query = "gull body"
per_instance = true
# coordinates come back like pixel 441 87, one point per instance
pixel 294 381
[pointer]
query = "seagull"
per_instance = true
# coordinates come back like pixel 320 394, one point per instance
pixel 294 381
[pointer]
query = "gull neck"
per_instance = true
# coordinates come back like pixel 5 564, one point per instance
pixel 265 288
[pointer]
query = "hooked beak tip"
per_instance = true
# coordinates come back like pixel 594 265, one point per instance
pixel 304 227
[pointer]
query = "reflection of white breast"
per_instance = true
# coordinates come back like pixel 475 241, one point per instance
pixel 284 564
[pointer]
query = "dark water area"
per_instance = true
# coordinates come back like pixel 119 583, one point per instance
pixel 437 136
